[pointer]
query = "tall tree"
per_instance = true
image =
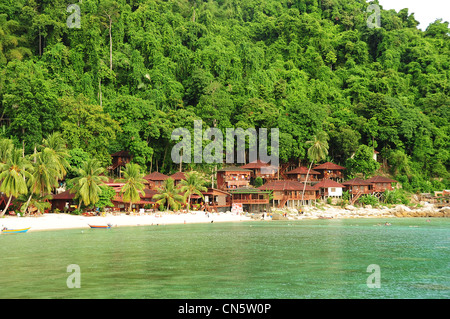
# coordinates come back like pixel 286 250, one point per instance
pixel 134 183
pixel 13 175
pixel 193 184
pixel 44 175
pixel 87 184
pixel 109 11
pixel 168 194
pixel 316 152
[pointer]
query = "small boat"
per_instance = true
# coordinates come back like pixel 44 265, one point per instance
pixel 100 226
pixel 14 231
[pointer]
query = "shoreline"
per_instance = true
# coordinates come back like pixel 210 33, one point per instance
pixel 63 221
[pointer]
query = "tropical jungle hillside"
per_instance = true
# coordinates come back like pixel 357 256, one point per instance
pixel 137 69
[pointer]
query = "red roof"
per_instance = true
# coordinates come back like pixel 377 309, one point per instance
pixel 328 183
pixel 357 181
pixel 381 179
pixel 255 164
pixel 156 176
pixel 286 186
pixel 178 176
pixel 64 195
pixel 329 165
pixel 302 170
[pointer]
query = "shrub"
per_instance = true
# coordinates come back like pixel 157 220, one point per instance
pixel 369 200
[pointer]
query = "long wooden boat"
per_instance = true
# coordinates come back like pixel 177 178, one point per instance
pixel 100 226
pixel 15 231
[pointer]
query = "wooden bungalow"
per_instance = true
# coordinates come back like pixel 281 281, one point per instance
pixel 213 200
pixel 119 160
pixel 329 188
pixel 178 177
pixel 381 183
pixel 253 200
pixel 65 201
pixel 330 171
pixel 233 177
pixel 358 187
pixel 155 179
pixel 144 202
pixel 290 193
pixel 261 169
pixel 299 174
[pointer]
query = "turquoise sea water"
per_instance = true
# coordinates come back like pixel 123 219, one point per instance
pixel 277 259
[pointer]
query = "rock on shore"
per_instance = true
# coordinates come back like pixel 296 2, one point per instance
pixel 349 211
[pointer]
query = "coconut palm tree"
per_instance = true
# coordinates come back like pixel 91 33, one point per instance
pixel 87 184
pixel 316 152
pixel 13 175
pixel 36 202
pixel 134 183
pixel 169 195
pixel 44 175
pixel 193 184
pixel 57 147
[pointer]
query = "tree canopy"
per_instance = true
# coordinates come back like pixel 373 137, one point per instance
pixel 137 69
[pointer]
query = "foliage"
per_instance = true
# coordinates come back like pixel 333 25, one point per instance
pixel 258 182
pixel 86 185
pixel 106 195
pixel 136 70
pixel 168 195
pixel 369 200
pixel 193 184
pixel 134 183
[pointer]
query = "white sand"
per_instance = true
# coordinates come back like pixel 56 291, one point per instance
pixel 66 221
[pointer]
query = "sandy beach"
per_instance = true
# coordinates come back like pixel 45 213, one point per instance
pixel 67 221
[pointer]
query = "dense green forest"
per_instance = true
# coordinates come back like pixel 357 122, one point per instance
pixel 137 69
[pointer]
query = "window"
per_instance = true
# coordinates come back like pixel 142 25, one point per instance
pixel 332 189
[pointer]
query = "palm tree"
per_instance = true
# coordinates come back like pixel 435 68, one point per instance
pixel 134 183
pixel 56 145
pixel 193 184
pixel 44 175
pixel 13 176
pixel 87 184
pixel 316 152
pixel 38 202
pixel 168 194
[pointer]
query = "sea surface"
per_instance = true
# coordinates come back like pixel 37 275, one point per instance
pixel 305 259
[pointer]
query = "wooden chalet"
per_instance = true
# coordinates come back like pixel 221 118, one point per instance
pixel 214 200
pixel 253 200
pixel 233 177
pixel 119 160
pixel 261 169
pixel 178 177
pixel 290 193
pixel 146 199
pixel 299 174
pixel 358 187
pixel 64 201
pixel 155 179
pixel 381 183
pixel 329 188
pixel 330 171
